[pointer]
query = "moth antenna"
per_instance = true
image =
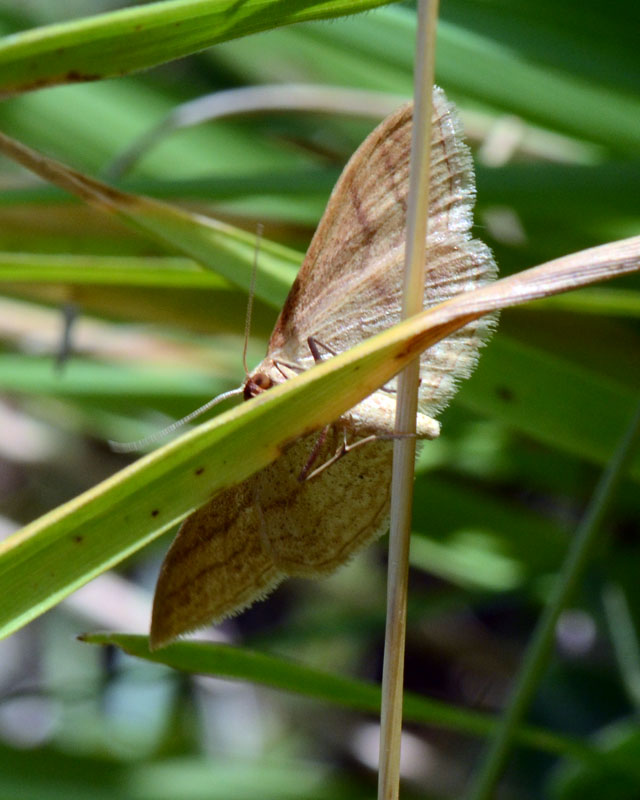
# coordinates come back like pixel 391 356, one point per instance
pixel 139 444
pixel 252 291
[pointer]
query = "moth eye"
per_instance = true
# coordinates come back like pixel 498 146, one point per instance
pixel 263 381
pixel 256 384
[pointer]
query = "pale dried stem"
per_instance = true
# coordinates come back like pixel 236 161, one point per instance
pixel 254 99
pixel 407 404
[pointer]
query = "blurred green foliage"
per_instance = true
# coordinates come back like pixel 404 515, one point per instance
pixel 548 94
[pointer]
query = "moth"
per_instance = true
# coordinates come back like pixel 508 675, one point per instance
pixel 285 520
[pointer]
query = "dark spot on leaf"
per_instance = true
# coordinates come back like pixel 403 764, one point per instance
pixel 155 512
pixel 73 76
pixel 199 471
pixel 77 538
pixel 505 394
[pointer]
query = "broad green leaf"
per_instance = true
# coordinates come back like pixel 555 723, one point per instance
pixel 82 538
pixel 137 38
pixel 492 68
pixel 615 302
pixel 50 773
pixel 517 385
pixel 84 378
pixel 183 274
pixel 165 289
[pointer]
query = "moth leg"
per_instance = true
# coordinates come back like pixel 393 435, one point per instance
pixel 377 414
pixel 315 345
pixel 304 472
pixel 426 428
pixel 293 367
pixel 392 389
pixel 344 448
pixel 378 422
pixel 347 447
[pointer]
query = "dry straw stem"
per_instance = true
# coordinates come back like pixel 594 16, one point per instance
pixel 407 405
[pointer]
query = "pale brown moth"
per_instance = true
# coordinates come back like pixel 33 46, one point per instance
pixel 285 520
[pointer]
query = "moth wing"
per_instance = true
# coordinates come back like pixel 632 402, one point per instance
pixel 240 545
pixel 218 564
pixel 314 526
pixel 457 265
pixel 350 284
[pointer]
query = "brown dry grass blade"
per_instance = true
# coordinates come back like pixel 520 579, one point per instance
pixel 563 274
pixel 224 248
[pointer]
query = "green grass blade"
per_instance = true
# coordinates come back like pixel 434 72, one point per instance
pixel 243 664
pixel 130 271
pixel 224 248
pixel 131 39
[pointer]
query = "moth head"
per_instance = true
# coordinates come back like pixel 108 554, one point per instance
pixel 256 384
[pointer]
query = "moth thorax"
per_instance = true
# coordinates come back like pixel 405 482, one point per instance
pixel 255 384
